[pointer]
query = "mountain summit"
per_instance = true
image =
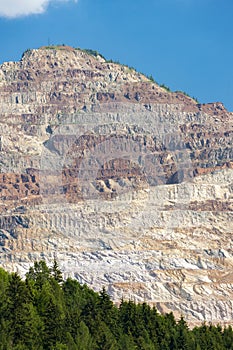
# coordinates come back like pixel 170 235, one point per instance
pixel 127 184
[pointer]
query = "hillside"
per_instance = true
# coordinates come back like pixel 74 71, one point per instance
pixel 128 185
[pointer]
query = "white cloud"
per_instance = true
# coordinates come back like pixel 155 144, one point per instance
pixel 18 8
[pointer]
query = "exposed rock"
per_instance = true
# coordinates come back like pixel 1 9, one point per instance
pixel 128 185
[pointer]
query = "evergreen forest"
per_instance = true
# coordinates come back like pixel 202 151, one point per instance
pixel 43 311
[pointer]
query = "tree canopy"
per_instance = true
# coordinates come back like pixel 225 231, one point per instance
pixel 43 311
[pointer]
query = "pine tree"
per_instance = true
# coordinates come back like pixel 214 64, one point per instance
pixel 56 272
pixel 228 338
pixel 107 311
pixel 104 338
pixel 23 319
pixel 84 339
pixel 53 324
pixel 38 274
pixel 182 335
pixel 72 292
pixel 126 342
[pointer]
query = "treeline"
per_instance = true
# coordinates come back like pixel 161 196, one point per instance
pixel 45 312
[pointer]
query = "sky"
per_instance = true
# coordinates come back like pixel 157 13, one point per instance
pixel 185 44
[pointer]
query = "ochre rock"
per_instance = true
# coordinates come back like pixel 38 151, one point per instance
pixel 127 185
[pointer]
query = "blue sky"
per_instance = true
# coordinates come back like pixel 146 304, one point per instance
pixel 186 44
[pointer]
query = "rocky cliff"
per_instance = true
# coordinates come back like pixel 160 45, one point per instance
pixel 128 185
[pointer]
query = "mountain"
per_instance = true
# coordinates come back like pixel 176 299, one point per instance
pixel 126 184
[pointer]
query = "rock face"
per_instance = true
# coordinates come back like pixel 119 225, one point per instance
pixel 128 185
